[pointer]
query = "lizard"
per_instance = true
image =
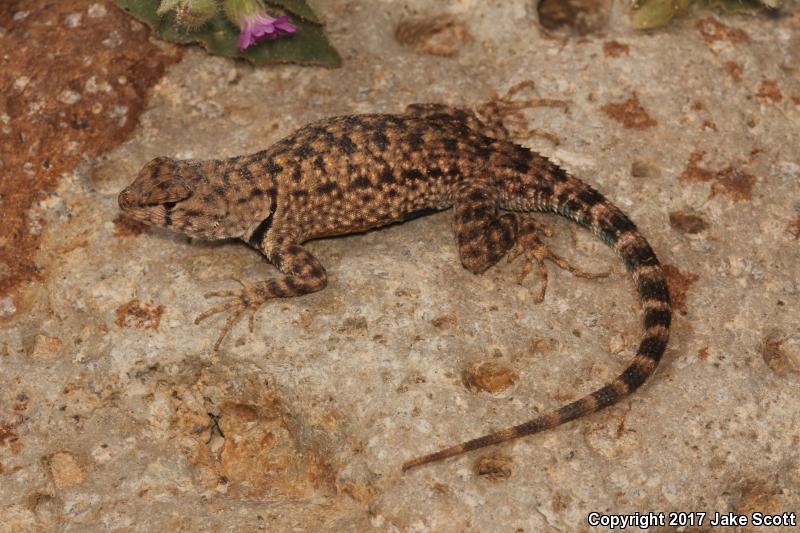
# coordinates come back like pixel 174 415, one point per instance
pixel 352 173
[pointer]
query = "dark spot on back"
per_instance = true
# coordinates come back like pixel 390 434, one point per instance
pixel 412 174
pixel 521 165
pixel 476 196
pixel 484 152
pixel 347 145
pixel 272 167
pixel 558 174
pixel 327 187
pixel 414 140
pixel 303 151
pixel 245 173
pixel 386 176
pixel 380 140
pixel 361 182
pixel 450 144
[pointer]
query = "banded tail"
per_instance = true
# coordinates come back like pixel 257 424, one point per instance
pixel 579 202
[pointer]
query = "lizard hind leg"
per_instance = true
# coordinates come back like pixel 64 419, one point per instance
pixel 498 108
pixel 529 244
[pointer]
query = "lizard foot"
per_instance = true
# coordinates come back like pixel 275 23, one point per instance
pixel 249 298
pixel 498 108
pixel 530 245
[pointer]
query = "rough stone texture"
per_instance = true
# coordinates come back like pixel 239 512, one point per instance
pixel 115 415
pixel 74 78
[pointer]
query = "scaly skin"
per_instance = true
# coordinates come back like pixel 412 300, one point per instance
pixel 352 173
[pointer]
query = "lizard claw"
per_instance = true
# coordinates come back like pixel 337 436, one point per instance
pixel 248 298
pixel 535 251
pixel 496 110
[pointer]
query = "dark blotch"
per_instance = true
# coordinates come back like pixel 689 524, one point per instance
pixel 380 140
pixel 605 396
pixel 622 223
pixel 476 196
pixel 387 176
pixel 633 376
pixel 652 347
pixel 272 167
pixel 303 151
pixel 522 166
pixel 347 145
pixel 590 197
pixel 412 174
pixel 328 187
pixel 653 289
pixel 559 174
pixel 573 410
pixel 258 235
pixel 640 255
pixel 415 140
pixel 657 317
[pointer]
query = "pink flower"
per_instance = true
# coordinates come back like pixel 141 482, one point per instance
pixel 261 27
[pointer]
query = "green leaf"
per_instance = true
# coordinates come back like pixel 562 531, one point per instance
pixel 296 7
pixel 308 46
pixel 656 13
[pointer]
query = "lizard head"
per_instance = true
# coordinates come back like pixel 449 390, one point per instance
pixel 188 197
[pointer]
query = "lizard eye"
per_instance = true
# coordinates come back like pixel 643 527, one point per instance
pixel 169 205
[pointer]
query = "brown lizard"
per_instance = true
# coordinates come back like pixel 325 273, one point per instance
pixel 352 173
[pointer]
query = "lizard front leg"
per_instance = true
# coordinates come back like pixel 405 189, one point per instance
pixel 303 274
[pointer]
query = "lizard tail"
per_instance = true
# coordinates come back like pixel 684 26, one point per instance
pixel 589 208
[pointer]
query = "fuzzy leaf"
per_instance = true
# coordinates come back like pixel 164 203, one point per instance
pixel 656 13
pixel 307 47
pixel 166 6
pixel 296 7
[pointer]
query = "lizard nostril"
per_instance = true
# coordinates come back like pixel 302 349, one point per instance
pixel 123 199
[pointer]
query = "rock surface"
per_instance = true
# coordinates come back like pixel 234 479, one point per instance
pixel 114 413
